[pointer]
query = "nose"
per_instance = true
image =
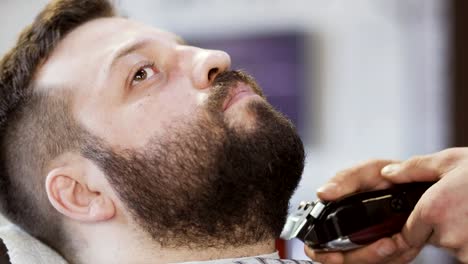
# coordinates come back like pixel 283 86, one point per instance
pixel 206 65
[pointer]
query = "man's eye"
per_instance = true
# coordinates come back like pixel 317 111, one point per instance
pixel 143 73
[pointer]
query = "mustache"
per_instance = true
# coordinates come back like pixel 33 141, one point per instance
pixel 225 82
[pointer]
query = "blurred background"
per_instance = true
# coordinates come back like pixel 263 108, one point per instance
pixel 361 79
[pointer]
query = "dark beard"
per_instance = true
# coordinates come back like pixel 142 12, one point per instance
pixel 205 184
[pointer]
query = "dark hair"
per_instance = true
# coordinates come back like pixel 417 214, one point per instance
pixel 36 126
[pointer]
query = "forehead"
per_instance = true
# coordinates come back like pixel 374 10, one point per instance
pixel 110 32
pixel 93 43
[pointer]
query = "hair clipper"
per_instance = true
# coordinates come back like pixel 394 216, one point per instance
pixel 354 220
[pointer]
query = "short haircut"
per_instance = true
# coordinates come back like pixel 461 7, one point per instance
pixel 36 127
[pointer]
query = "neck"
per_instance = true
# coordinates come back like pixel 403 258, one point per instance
pixel 120 245
pixel 185 254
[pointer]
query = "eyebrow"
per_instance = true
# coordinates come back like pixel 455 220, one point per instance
pixel 127 49
pixel 136 45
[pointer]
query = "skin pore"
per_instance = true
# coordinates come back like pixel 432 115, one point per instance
pixel 163 138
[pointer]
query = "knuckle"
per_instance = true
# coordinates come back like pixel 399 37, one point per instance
pixel 450 157
pixel 433 208
pixel 369 163
pixel 415 161
pixel 344 175
pixel 449 241
pixel 402 245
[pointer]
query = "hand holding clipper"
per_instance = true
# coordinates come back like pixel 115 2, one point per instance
pixel 355 220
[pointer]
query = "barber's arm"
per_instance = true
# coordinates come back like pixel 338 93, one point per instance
pixel 439 218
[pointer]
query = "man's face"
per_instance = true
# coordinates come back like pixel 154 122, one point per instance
pixel 192 151
pixel 105 61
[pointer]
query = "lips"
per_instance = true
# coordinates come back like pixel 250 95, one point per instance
pixel 239 92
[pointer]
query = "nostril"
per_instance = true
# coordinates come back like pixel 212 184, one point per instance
pixel 212 74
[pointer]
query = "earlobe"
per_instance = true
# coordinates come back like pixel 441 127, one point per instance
pixel 69 193
pixel 101 208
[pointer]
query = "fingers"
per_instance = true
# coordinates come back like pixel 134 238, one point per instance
pixel 404 257
pixel 324 258
pixel 424 168
pixel 405 253
pixel 365 176
pixel 377 252
pixel 416 231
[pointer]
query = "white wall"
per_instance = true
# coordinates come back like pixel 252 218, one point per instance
pixel 377 86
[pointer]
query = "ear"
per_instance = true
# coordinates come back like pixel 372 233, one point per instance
pixel 74 189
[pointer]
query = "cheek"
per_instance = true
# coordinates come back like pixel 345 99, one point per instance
pixel 155 113
pixel 176 104
pixel 135 123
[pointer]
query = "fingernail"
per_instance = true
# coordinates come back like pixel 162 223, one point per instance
pixel 390 169
pixel 385 250
pixel 327 188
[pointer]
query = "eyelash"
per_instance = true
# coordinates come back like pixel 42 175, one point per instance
pixel 147 64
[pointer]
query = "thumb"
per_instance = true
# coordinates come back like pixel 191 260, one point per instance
pixel 421 168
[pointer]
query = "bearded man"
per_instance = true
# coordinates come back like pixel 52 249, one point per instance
pixel 123 144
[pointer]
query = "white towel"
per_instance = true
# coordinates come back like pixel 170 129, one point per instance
pixel 25 249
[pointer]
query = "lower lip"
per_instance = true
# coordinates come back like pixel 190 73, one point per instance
pixel 238 97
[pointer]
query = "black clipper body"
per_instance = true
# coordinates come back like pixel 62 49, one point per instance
pixel 355 220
